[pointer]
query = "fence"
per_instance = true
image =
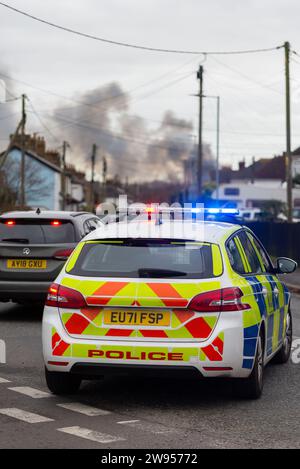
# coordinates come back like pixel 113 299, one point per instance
pixel 280 239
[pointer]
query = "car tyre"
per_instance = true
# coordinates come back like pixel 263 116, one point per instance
pixel 283 355
pixel 61 383
pixel 252 387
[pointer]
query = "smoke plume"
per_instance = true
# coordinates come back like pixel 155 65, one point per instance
pixel 134 149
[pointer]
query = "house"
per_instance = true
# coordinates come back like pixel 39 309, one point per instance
pixel 296 162
pixel 42 179
pixel 76 192
pixel 254 185
pixel 43 176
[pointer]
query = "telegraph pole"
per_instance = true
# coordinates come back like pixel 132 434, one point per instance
pixel 63 175
pixel 93 162
pixel 22 165
pixel 104 174
pixel 200 153
pixel 218 150
pixel 288 154
pixel 217 145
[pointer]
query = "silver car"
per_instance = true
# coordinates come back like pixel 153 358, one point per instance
pixel 34 245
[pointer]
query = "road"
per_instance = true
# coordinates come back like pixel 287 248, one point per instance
pixel 137 413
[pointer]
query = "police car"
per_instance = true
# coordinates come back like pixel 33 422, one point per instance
pixel 168 295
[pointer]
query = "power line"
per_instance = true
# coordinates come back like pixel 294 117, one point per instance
pixel 42 122
pixel 89 125
pixel 100 110
pixel 143 85
pixel 295 61
pixel 246 77
pixel 143 97
pixel 134 46
pixel 12 100
pixel 104 131
pixel 96 103
pixel 13 97
pixel 260 134
pixel 124 160
pixel 167 85
pixel 9 115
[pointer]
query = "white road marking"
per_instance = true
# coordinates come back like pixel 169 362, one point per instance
pixel 147 426
pixel 90 435
pixel 3 380
pixel 84 409
pixel 31 392
pixel 125 422
pixel 25 416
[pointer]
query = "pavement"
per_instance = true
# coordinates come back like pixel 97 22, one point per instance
pixel 292 281
pixel 137 413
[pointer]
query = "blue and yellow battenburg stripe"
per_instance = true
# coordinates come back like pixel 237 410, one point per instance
pixel 267 308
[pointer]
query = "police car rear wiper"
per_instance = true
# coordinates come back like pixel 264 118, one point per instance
pixel 16 240
pixel 160 273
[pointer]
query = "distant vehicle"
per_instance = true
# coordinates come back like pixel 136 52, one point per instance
pixel 295 215
pixel 205 301
pixel 249 214
pixel 33 248
pixel 255 214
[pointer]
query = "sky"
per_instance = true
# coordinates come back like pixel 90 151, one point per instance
pixel 50 62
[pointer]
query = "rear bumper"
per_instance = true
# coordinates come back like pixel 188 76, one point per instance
pixel 221 355
pixel 20 290
pixel 96 370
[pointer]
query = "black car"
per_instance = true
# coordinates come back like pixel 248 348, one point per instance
pixel 34 247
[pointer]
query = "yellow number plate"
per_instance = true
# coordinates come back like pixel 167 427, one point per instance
pixel 136 318
pixel 26 264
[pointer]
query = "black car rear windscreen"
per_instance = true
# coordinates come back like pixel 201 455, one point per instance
pixel 36 232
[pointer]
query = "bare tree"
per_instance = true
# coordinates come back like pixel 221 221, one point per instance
pixel 8 198
pixel 35 183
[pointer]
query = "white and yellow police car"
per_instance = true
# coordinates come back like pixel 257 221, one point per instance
pixel 207 299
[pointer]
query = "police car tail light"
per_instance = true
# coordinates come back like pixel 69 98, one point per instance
pixel 225 299
pixel 64 297
pixel 231 299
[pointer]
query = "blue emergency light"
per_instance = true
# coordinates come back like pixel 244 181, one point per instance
pixel 225 211
pixel 155 210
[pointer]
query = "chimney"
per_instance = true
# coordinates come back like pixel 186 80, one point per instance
pixel 40 146
pixel 242 165
pixel 253 171
pixel 52 156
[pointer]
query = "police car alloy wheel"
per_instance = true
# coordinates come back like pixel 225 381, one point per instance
pixel 252 387
pixel 288 335
pixel 284 353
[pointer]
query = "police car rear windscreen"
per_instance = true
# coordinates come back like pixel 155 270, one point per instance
pixel 148 259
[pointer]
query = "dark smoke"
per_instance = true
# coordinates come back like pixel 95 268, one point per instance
pixel 170 120
pixel 133 149
pixel 171 146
